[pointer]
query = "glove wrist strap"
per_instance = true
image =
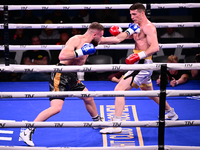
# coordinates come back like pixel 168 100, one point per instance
pixel 78 53
pixel 129 31
pixel 142 54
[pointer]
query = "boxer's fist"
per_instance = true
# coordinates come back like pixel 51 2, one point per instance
pixel 115 30
pixel 87 49
pixel 131 59
pixel 133 28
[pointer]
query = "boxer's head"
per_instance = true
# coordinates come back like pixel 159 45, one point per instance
pixel 96 30
pixel 137 12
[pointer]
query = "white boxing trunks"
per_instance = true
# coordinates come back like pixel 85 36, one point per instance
pixel 140 78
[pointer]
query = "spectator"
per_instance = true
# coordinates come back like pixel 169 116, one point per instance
pixel 28 17
pixel 76 31
pixel 63 39
pixel 49 33
pixel 84 16
pixel 57 16
pixel 35 57
pixel 176 76
pixel 196 73
pixel 171 33
pixel 116 77
pixel 107 15
pixel 19 35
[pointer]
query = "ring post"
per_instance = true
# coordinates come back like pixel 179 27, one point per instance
pixel 6 35
pixel 161 127
pixel 148 11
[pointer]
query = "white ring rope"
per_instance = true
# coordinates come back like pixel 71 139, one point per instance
pixel 154 93
pixel 99 6
pixel 108 46
pixel 82 148
pixel 94 68
pixel 86 25
pixel 78 124
pixel 166 147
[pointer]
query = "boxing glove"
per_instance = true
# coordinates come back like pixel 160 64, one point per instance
pixel 131 59
pixel 87 49
pixel 115 30
pixel 133 28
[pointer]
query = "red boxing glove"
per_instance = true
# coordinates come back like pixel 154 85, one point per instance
pixel 131 59
pixel 115 30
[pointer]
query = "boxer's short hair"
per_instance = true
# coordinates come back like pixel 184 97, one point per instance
pixel 138 6
pixel 96 25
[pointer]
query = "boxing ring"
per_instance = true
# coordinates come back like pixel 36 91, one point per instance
pixel 162 93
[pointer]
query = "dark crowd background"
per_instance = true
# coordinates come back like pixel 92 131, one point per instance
pixel 54 36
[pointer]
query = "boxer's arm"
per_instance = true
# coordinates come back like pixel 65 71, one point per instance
pixel 115 39
pixel 68 51
pixel 151 35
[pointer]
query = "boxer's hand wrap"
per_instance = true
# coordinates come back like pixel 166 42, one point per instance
pixel 115 30
pixel 87 49
pixel 131 59
pixel 133 28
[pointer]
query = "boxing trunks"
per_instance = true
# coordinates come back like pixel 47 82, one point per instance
pixel 140 78
pixel 67 81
